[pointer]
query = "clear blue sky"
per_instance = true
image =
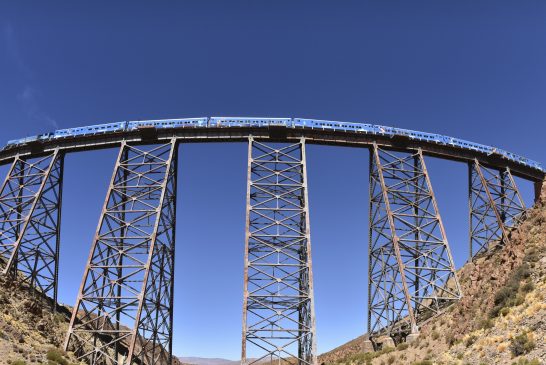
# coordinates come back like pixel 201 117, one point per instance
pixel 470 69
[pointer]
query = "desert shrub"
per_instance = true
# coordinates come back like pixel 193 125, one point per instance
pixel 521 345
pixel 504 311
pixel 528 287
pixel 424 362
pixel 470 340
pixel 504 294
pixel 435 335
pixel 361 358
pixel 532 255
pixel 19 362
pixel 56 356
pixel 59 318
pixel 524 361
pixel 519 300
pixel 507 296
pixel 385 350
pixel 391 359
pixel 522 272
pixel 494 312
pixel 486 324
pixel 402 346
pixel 451 340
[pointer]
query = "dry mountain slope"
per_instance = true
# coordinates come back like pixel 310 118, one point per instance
pixel 30 332
pixel 501 318
pixel 28 326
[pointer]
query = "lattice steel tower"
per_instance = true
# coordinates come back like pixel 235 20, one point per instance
pixel 278 311
pixel 411 271
pixel 123 314
pixel 495 206
pixel 30 215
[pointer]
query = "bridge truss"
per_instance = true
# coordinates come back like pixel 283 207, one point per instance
pixel 495 206
pixel 411 272
pixel 30 212
pixel 278 310
pixel 123 313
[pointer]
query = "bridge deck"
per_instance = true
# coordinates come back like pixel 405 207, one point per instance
pixel 277 133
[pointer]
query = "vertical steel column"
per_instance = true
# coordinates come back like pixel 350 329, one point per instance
pixel 123 314
pixel 30 221
pixel 495 206
pixel 278 309
pixel 412 274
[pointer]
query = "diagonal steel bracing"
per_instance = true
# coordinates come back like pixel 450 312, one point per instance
pixel 495 204
pixel 30 218
pixel 411 275
pixel 278 311
pixel 123 314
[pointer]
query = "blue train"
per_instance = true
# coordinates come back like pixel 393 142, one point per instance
pixel 219 122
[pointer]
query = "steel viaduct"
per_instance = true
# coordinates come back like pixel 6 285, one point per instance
pixel 124 310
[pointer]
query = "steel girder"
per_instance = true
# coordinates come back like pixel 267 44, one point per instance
pixel 123 314
pixel 411 272
pixel 495 205
pixel 278 309
pixel 30 219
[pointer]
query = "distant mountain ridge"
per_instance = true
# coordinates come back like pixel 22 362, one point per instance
pixel 208 361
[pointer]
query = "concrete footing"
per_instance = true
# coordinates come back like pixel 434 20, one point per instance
pixel 367 346
pixel 412 337
pixel 386 341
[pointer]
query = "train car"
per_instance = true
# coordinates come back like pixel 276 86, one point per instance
pixel 20 141
pixel 167 123
pixel 422 136
pixel 446 140
pixel 248 122
pixel 89 130
pixel 325 124
pixel 317 124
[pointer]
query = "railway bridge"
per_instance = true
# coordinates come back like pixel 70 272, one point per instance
pixel 124 310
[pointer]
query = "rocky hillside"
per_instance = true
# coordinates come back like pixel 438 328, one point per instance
pixel 30 331
pixel 500 320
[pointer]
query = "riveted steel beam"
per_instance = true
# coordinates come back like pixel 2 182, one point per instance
pixel 495 206
pixel 30 219
pixel 123 313
pixel 411 275
pixel 278 309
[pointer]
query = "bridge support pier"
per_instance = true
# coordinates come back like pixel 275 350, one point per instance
pixel 411 272
pixel 495 206
pixel 278 308
pixel 367 346
pixel 123 313
pixel 30 219
pixel 412 337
